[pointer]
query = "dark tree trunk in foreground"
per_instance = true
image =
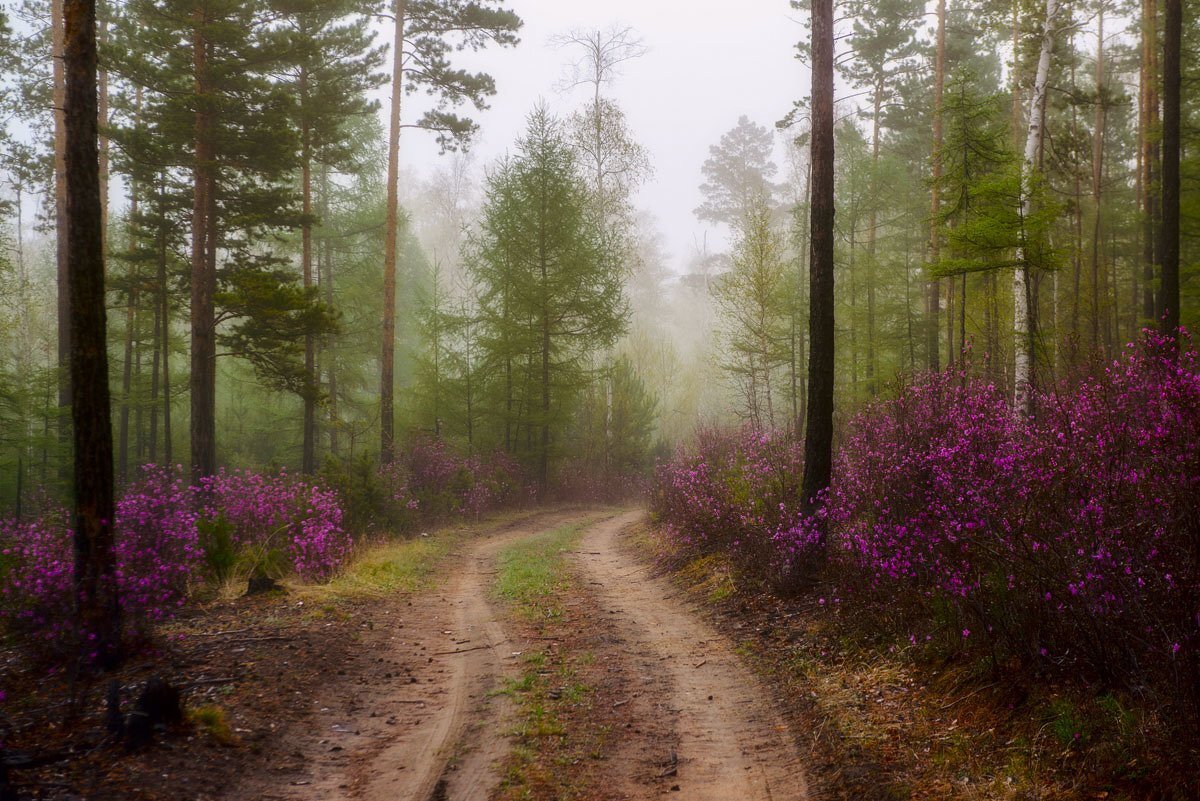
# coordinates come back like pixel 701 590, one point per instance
pixel 98 612
pixel 818 444
pixel 1172 38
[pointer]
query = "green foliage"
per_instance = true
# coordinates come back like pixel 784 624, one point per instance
pixel 433 31
pixel 548 297
pixel 366 499
pixel 269 315
pixel 220 551
pixel 755 302
pixel 612 435
pixel 981 183
pixel 737 174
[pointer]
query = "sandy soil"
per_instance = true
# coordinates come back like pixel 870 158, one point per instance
pixel 726 742
pixel 698 726
pixel 431 726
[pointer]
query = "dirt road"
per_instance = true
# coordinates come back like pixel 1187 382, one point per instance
pixel 422 719
pixel 729 743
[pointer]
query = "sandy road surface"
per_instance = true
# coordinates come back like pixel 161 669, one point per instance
pixel 419 719
pixel 404 722
pixel 727 741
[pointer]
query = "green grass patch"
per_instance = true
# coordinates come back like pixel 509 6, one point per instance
pixel 402 566
pixel 532 573
pixel 533 578
pixel 408 566
pixel 210 720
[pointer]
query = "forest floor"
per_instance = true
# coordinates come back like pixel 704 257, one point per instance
pixel 531 656
pixel 551 655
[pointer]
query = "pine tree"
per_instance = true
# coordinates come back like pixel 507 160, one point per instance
pixel 737 173
pixel 208 72
pixel 753 300
pixel 1172 81
pixel 426 33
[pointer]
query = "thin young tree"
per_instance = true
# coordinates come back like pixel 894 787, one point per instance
pixel 933 298
pixel 753 300
pixel 1022 291
pixel 1151 154
pixel 60 209
pixel 613 161
pixel 334 66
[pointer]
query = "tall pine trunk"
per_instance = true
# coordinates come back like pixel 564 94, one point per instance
pixel 872 223
pixel 57 34
pixel 1098 124
pixel 1076 220
pixel 204 279
pixel 818 442
pixel 97 608
pixel 1150 157
pixel 164 304
pixel 329 353
pixel 127 375
pixel 308 460
pixel 102 121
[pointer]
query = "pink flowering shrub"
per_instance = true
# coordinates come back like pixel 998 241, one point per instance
pixel 158 549
pixel 157 555
pixel 581 481
pixel 36 573
pixel 497 481
pixel 438 478
pixel 924 484
pixel 439 482
pixel 160 552
pixel 273 517
pixel 429 480
pixel 1066 538
pixel 1070 536
pixel 736 491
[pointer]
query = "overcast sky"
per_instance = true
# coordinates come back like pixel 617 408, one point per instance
pixel 708 63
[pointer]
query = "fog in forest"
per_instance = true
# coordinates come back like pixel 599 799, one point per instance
pixel 864 327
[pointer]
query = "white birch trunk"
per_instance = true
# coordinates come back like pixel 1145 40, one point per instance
pixel 1023 344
